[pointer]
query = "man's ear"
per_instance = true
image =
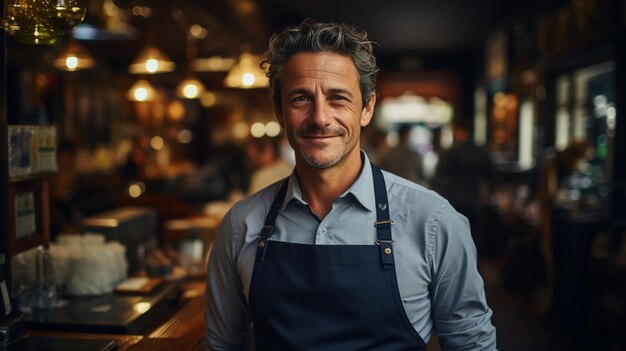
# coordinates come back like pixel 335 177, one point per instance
pixel 368 110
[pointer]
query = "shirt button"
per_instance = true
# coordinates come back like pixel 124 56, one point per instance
pixel 323 231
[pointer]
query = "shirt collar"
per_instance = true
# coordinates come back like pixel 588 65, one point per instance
pixel 362 190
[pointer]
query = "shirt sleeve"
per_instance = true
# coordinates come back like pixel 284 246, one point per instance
pixel 461 317
pixel 227 319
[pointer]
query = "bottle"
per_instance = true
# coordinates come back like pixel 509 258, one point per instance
pixel 46 289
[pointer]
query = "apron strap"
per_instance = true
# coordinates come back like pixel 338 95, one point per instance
pixel 268 226
pixel 383 223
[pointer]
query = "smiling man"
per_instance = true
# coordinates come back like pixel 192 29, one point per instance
pixel 341 255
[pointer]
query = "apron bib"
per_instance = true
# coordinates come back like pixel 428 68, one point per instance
pixel 329 297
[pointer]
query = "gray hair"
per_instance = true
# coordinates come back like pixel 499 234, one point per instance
pixel 311 36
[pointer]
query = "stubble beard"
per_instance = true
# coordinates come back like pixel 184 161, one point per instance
pixel 317 159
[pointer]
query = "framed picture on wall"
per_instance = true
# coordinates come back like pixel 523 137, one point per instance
pixel 29 214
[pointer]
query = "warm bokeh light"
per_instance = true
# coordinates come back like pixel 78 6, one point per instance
pixel 142 307
pixel 151 60
pixel 272 129
pixel 135 190
pixel 74 57
pixel 247 79
pixel 208 99
pixel 176 110
pixel 184 136
pixel 71 62
pixel 141 94
pixel 214 63
pixel 257 129
pixel 190 91
pixel 157 143
pixel 190 88
pixel 247 73
pixel 241 130
pixel 499 99
pixel 141 91
pixel 152 65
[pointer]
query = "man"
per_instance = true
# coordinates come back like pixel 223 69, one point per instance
pixel 323 261
pixel 467 193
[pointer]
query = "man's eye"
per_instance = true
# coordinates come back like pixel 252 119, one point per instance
pixel 338 98
pixel 300 99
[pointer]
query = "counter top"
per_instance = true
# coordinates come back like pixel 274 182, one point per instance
pixel 182 330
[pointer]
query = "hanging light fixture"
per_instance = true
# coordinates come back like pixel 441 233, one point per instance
pixel 74 57
pixel 190 87
pixel 151 60
pixel 247 73
pixel 141 91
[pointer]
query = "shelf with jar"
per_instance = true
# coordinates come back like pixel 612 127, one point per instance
pixel 32 160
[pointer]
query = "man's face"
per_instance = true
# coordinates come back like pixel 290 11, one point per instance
pixel 321 108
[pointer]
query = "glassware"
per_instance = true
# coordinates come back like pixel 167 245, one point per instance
pixel 41 21
pixel 67 14
pixel 46 289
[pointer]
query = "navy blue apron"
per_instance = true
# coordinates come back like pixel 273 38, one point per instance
pixel 329 297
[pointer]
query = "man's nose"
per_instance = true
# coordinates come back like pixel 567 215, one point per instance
pixel 321 114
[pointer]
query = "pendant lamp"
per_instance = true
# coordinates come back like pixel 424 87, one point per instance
pixel 247 73
pixel 151 60
pixel 74 57
pixel 141 91
pixel 190 87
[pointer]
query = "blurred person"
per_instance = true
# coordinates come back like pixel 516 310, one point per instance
pixel 402 160
pixel 341 255
pixel 555 172
pixel 374 143
pixel 465 175
pixel 64 214
pixel 264 157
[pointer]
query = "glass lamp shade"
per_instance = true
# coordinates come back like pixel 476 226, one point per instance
pixel 141 91
pixel 247 73
pixel 190 88
pixel 151 60
pixel 42 21
pixel 73 58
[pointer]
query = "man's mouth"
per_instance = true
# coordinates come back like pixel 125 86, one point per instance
pixel 310 133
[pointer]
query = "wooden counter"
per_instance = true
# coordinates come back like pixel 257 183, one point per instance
pixel 181 330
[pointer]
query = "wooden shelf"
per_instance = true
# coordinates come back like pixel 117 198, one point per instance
pixel 30 177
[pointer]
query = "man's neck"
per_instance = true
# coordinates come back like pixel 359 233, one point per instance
pixel 320 187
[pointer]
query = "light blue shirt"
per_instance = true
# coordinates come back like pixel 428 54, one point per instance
pixel 434 255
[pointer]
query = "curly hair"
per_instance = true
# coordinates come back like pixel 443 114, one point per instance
pixel 312 36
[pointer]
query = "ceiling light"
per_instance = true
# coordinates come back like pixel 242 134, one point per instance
pixel 141 91
pixel 190 88
pixel 151 60
pixel 247 73
pixel 74 57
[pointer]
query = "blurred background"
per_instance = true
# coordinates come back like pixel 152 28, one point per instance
pixel 508 108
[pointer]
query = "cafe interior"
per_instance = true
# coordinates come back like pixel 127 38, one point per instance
pixel 125 128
